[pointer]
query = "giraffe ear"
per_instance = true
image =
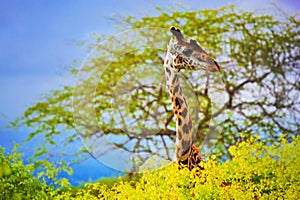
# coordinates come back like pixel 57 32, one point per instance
pixel 195 44
pixel 177 33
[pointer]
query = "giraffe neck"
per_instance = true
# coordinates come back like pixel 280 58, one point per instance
pixel 184 137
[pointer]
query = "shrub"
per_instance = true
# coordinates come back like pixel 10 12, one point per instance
pixel 256 171
pixel 18 182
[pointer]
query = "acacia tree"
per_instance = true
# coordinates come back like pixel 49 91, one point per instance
pixel 259 86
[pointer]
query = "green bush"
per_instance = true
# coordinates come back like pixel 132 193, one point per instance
pixel 256 171
pixel 17 180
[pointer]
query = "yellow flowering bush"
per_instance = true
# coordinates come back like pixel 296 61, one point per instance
pixel 256 171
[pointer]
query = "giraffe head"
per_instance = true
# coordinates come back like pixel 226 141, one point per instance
pixel 189 54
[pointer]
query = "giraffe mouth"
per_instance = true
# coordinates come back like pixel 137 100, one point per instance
pixel 216 67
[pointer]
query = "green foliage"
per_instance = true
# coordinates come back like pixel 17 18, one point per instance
pixel 17 180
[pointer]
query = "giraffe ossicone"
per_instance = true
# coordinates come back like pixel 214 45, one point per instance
pixel 183 54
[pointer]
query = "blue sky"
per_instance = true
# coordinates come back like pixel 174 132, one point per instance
pixel 38 42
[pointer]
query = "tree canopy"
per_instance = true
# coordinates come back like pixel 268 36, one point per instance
pixel 120 94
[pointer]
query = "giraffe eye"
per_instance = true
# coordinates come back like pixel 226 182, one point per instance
pixel 187 52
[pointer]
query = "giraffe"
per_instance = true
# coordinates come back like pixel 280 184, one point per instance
pixel 183 54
